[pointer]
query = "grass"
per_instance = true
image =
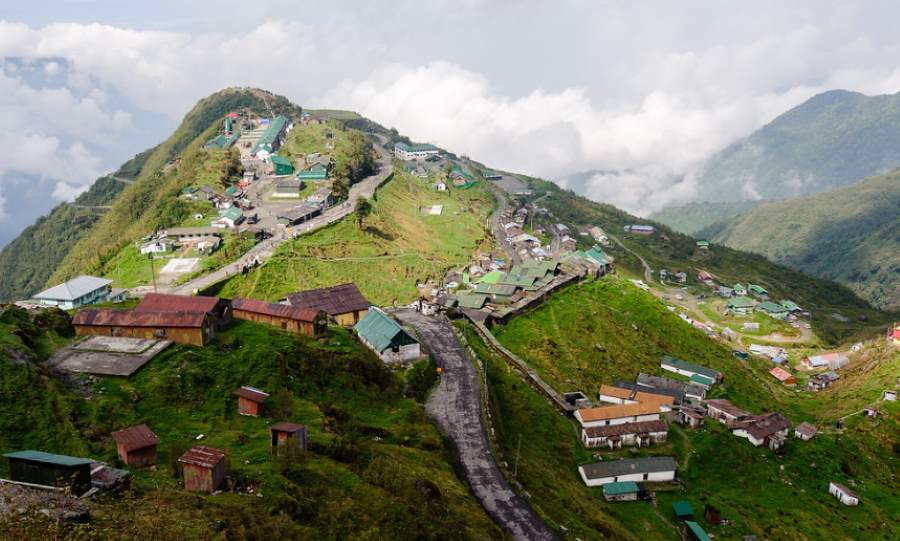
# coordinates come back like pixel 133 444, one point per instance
pixel 398 248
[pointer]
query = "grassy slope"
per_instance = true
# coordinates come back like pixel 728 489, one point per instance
pixel 671 250
pixel 400 247
pixel 850 235
pixel 745 483
pixel 374 457
pixel 692 218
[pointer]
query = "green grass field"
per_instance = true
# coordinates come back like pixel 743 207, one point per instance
pixel 400 246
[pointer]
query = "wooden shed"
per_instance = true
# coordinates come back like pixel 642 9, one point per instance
pixel 250 400
pixel 204 468
pixel 190 328
pixel 306 321
pixel 344 302
pixel 287 435
pixel 40 468
pixel 219 310
pixel 136 445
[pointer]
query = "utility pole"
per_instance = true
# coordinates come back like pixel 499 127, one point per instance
pixel 152 270
pixel 518 450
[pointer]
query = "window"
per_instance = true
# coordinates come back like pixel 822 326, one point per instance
pixel 646 476
pixel 159 333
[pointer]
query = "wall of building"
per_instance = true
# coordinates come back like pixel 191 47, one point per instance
pixel 350 318
pixel 189 336
pixel 292 325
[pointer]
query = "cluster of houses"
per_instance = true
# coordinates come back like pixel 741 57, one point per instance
pixel 499 287
pixel 227 136
pixel 231 204
pixel 745 300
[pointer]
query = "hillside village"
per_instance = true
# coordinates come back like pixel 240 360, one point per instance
pixel 293 177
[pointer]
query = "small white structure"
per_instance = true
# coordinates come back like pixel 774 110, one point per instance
pixel 440 186
pixel 843 494
pixel 158 246
pixel 655 469
pixel 805 431
pixel 890 396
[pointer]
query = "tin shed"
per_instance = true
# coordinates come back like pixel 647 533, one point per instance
pixel 48 469
pixel 136 445
pixel 204 468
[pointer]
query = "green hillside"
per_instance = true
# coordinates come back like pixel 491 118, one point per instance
pixel 850 235
pixel 692 218
pixel 376 467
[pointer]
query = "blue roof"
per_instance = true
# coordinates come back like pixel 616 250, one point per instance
pixel 698 532
pixel 682 509
pixel 49 458
pixel 625 487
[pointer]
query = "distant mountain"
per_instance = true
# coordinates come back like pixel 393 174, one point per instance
pixel 850 235
pixel 692 218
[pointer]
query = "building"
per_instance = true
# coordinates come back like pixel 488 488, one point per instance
pixel 251 400
pixel 490 175
pixel 219 310
pixel 322 196
pixel 189 328
pixel 739 304
pixel 687 369
pixel 299 214
pixel 894 334
pixel 739 289
pixel 598 235
pixel 702 244
pixel 136 445
pixel 281 166
pixel 684 392
pixel 683 510
pixel 386 337
pixel 834 361
pixel 287 436
pixel 640 434
pixel 77 292
pixel 305 321
pixel 772 352
pixel 620 395
pixel 705 277
pixel 758 291
pixel 769 429
pixel 621 492
pixel 690 417
pixel 158 246
pixel 654 469
pixel 191 234
pixel 344 303
pixel 725 412
pixel 408 152
pixel 805 431
pixel 230 218
pixel 272 138
pixel 822 381
pixel 843 494
pixel 696 531
pixel 725 292
pixel 773 309
pixel 497 293
pixel 286 189
pixel 204 469
pixel 616 415
pixel 47 469
pixel 640 229
pixel 782 375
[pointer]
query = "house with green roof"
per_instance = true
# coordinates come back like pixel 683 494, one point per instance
pixel 703 381
pixel 622 491
pixel 492 277
pixel 687 369
pixel 703 244
pixel 231 217
pixel 47 469
pixel 272 137
pixel 697 533
pixel 791 306
pixel 682 509
pixel 740 305
pixel 739 289
pixel 282 165
pixel 473 301
pixel 380 333
pixel 773 309
pixel 758 291
pixel 408 152
pixel 498 293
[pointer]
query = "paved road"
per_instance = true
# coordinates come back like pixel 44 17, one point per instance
pixel 456 406
pixel 497 225
pixel 263 251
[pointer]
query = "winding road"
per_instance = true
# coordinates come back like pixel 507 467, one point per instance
pixel 456 406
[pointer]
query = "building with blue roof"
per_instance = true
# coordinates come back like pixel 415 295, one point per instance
pixel 380 333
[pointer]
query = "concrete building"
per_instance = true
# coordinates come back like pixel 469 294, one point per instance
pixel 843 494
pixel 621 492
pixel 616 415
pixel 805 431
pixel 725 412
pixel 204 469
pixel 640 434
pixel 415 152
pixel 286 189
pixel 769 429
pixel 386 337
pixel 653 469
pixel 834 361
pixel 136 445
pixel 687 369
pixel 305 321
pixel 77 292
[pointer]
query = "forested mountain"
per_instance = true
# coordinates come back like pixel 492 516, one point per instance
pixel 850 235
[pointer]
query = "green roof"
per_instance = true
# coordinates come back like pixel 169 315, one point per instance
pixel 232 213
pixel 682 509
pixel 704 380
pixel 504 290
pixel 698 532
pixel 471 300
pixel 616 489
pixel 739 287
pixel 520 280
pixel 740 302
pixel 790 305
pixel 49 458
pixel 415 148
pixel 771 308
pixel 231 190
pixel 280 160
pixel 702 243
pixel 597 254
pixel 267 140
pixel 312 175
pixel 757 289
pixel 492 277
pixel 382 332
pixel 189 189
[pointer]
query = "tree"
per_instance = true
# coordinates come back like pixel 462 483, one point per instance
pixel 363 209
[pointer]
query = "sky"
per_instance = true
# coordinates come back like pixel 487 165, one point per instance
pixel 639 93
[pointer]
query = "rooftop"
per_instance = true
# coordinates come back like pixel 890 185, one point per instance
pixel 295 313
pixel 614 468
pixel 135 437
pixel 286 427
pixel 252 393
pixel 641 427
pixel 139 318
pixel 722 404
pixel 684 365
pixel 203 456
pixel 615 412
pixel 335 300
pixel 162 302
pixel 74 288
pixel 48 458
pixel 380 331
pixel 615 489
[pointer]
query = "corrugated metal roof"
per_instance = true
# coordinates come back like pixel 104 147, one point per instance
pixel 135 437
pixel 698 532
pixel 684 365
pixel 74 288
pixel 201 455
pixel 335 300
pixel 616 468
pixel 135 318
pixel 641 427
pixel 162 302
pixel 287 427
pixel 380 331
pixel 252 393
pixel 617 411
pixel 616 489
pixel 48 458
pixel 296 313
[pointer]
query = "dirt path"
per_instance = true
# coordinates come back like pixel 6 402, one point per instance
pixel 648 271
pixel 456 406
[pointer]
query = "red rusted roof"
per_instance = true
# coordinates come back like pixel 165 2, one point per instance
pixel 132 318
pixel 296 313
pixel 203 456
pixel 161 302
pixel 287 427
pixel 726 406
pixel 135 437
pixel 252 393
pixel 641 427
pixel 335 300
pixel 762 426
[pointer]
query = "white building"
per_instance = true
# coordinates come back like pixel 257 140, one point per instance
pixel 616 436
pixel 415 152
pixel 617 415
pixel 843 494
pixel 158 246
pixel 653 469
pixel 77 292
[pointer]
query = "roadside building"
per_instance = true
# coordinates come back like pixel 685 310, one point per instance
pixel 772 352
pixel 472 301
pixel 281 166
pixel 740 304
pixel 490 175
pixel 299 214
pixel 75 293
pixel 725 412
pixel 48 469
pixel 344 303
pixel 272 138
pixel 769 429
pixel 640 434
pixel 189 328
pixel 204 469
pixel 843 494
pixel 229 218
pixel 286 189
pixel 497 293
pixel 305 321
pixel 805 431
pixel 386 337
pixel 616 415
pixel 408 152
pixel 687 369
pixel 773 310
pixel 834 361
pixel 287 436
pixel 157 246
pixel 251 400
pixel 191 234
pixel 322 196
pixel 219 310
pixel 782 375
pixel 136 445
pixel 621 492
pixel 791 306
pixel 653 469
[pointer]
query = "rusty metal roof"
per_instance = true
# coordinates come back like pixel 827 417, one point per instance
pixel 287 427
pixel 308 315
pixel 252 393
pixel 203 456
pixel 335 300
pixel 162 302
pixel 135 437
pixel 641 427
pixel 134 318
